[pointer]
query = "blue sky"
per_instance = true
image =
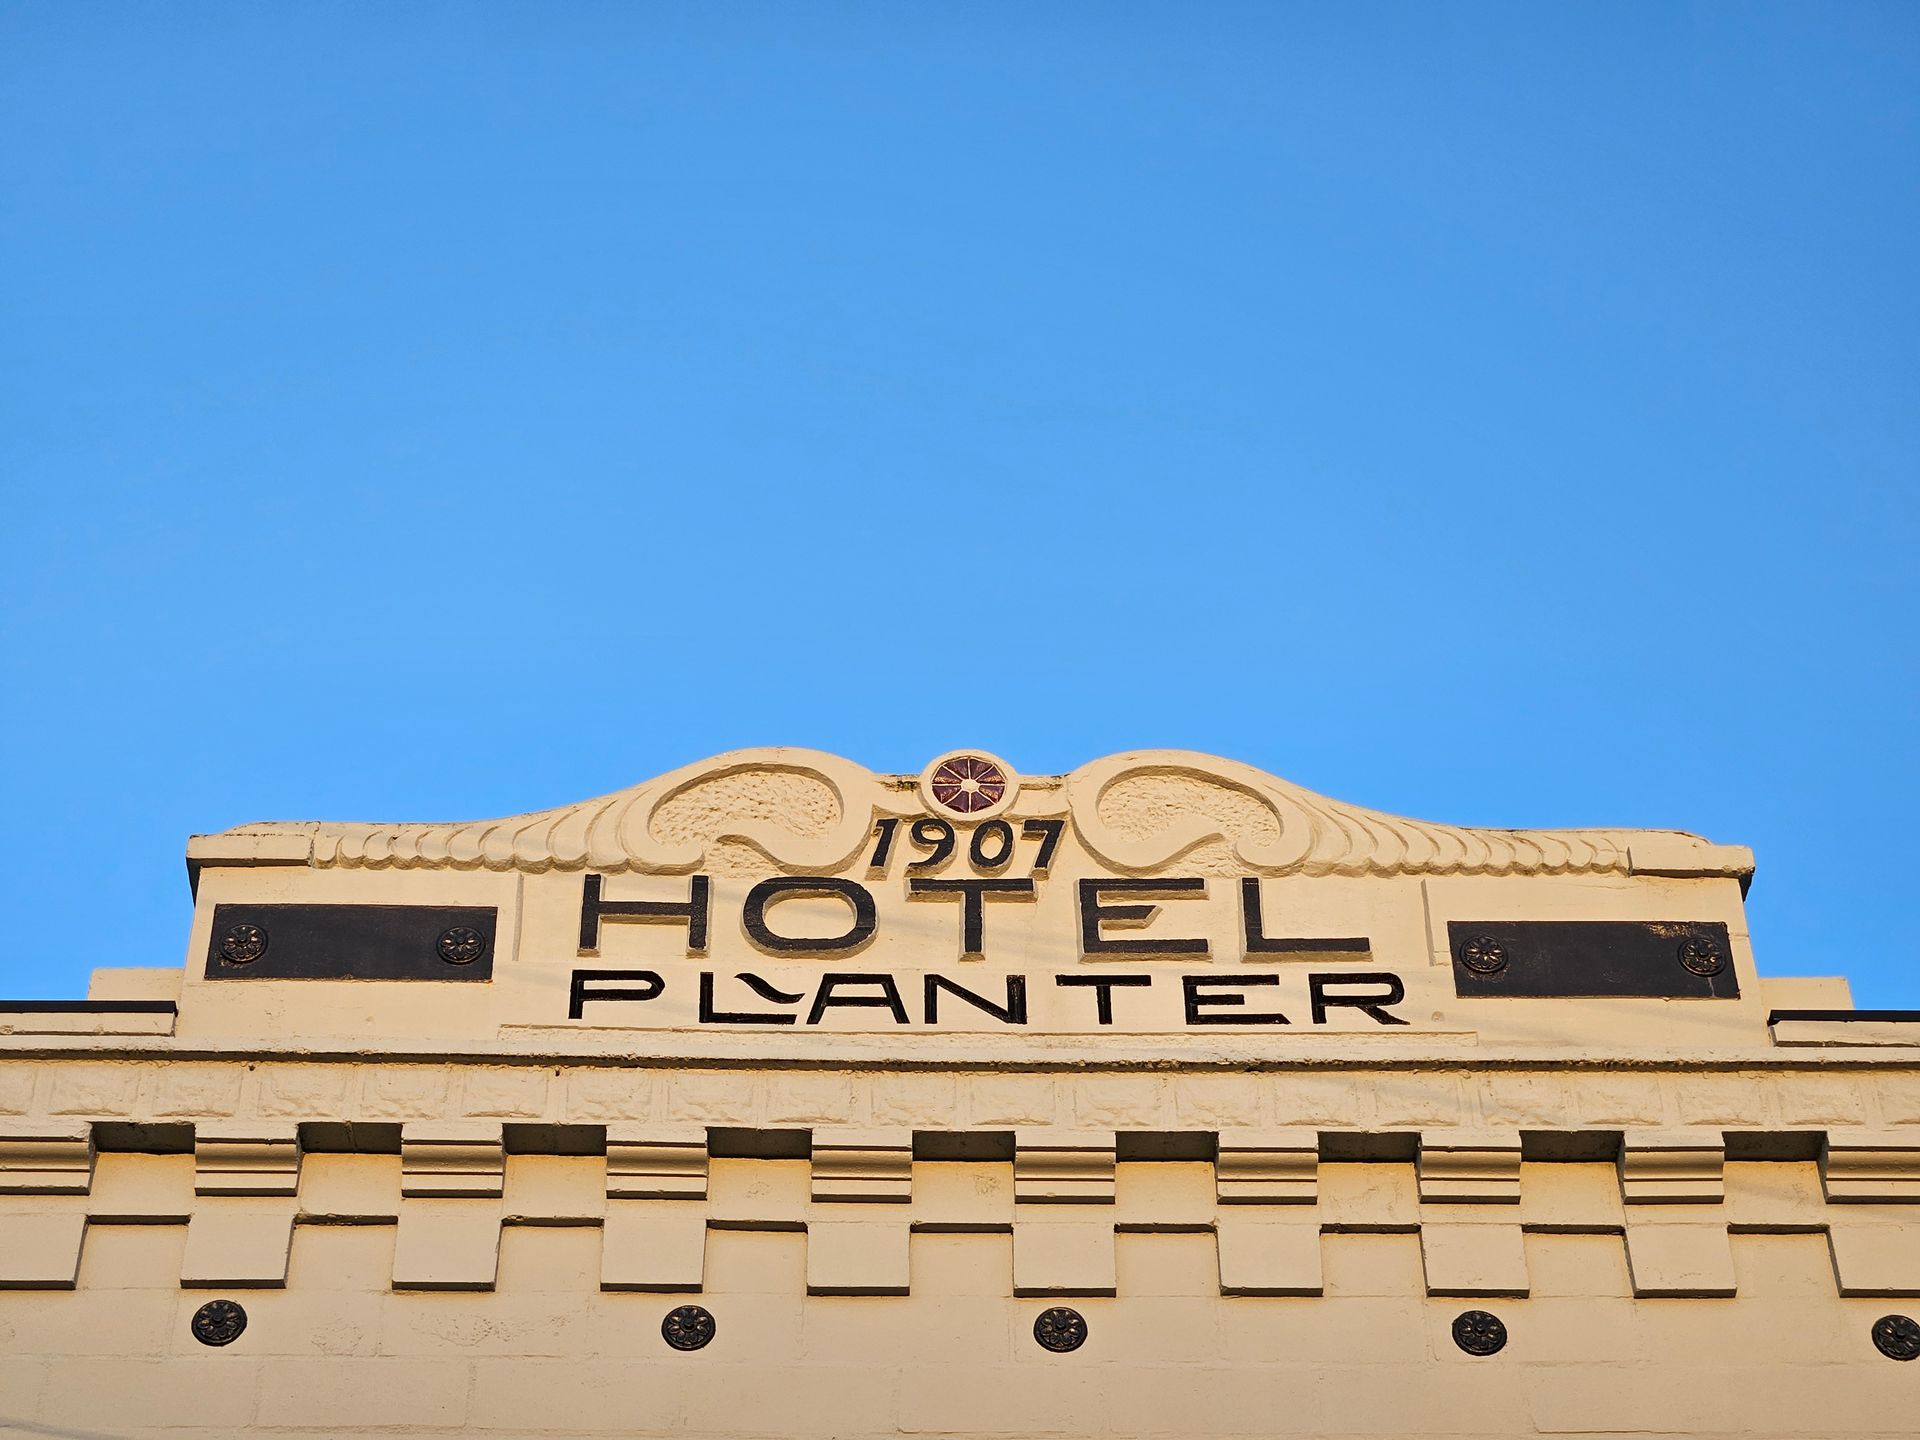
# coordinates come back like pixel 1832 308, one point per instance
pixel 1502 414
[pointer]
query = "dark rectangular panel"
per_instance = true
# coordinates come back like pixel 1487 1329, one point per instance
pixel 1564 958
pixel 352 942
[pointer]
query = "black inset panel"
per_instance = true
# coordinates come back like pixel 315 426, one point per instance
pixel 352 942
pixel 1565 958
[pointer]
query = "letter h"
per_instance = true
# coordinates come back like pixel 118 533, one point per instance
pixel 692 913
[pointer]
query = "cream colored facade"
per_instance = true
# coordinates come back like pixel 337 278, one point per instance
pixel 879 1071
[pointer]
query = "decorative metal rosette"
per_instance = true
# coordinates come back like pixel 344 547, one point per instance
pixel 219 1322
pixel 1060 1329
pixel 461 945
pixel 688 1327
pixel 1702 957
pixel 243 944
pixel 1897 1337
pixel 1483 955
pixel 1479 1333
pixel 970 783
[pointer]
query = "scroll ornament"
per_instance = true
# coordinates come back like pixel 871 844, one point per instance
pixel 807 812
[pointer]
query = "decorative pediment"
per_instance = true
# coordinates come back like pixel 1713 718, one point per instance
pixel 808 812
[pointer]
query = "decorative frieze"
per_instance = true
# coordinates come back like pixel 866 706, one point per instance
pixel 1872 1166
pixel 1273 1167
pixel 656 1163
pixel 1673 1167
pixel 240 1159
pixel 1063 1167
pixel 1458 1167
pixel 452 1159
pixel 45 1157
pixel 873 1166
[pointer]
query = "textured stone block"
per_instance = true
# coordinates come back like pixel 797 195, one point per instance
pixel 1263 1256
pixel 800 1099
pixel 238 1242
pixel 300 1092
pixel 963 1195
pixel 142 1189
pixel 1063 1257
pixel 402 1092
pixel 653 1246
pixel 1876 1259
pixel 705 1098
pixel 447 1245
pixel 1680 1258
pixel 350 1188
pixel 90 1090
pixel 926 1102
pixel 555 1189
pixel 17 1084
pixel 1474 1259
pixel 857 1257
pixel 41 1250
pixel 1123 1102
pixel 998 1101
pixel 614 1094
pixel 194 1090
pixel 509 1092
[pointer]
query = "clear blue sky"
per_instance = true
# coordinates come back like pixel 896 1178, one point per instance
pixel 1502 414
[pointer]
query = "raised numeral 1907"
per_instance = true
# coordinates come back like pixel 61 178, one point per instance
pixel 989 848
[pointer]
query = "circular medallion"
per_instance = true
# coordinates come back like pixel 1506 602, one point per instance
pixel 1897 1337
pixel 243 944
pixel 969 783
pixel 1484 955
pixel 687 1328
pixel 1060 1329
pixel 219 1322
pixel 461 945
pixel 1702 957
pixel 1479 1333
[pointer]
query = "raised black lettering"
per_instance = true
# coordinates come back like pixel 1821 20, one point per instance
pixel 711 1016
pixel 1261 943
pixel 1202 999
pixel 584 987
pixel 828 996
pixel 1014 1012
pixel 973 894
pixel 1000 833
pixel 1094 914
pixel 883 844
pixel 762 897
pixel 692 913
pixel 1103 987
pixel 1048 833
pixel 1392 990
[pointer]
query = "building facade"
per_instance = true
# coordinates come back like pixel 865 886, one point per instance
pixel 776 1097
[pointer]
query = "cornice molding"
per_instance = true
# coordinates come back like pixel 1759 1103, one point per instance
pixel 808 812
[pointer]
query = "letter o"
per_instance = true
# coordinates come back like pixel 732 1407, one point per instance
pixel 762 898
